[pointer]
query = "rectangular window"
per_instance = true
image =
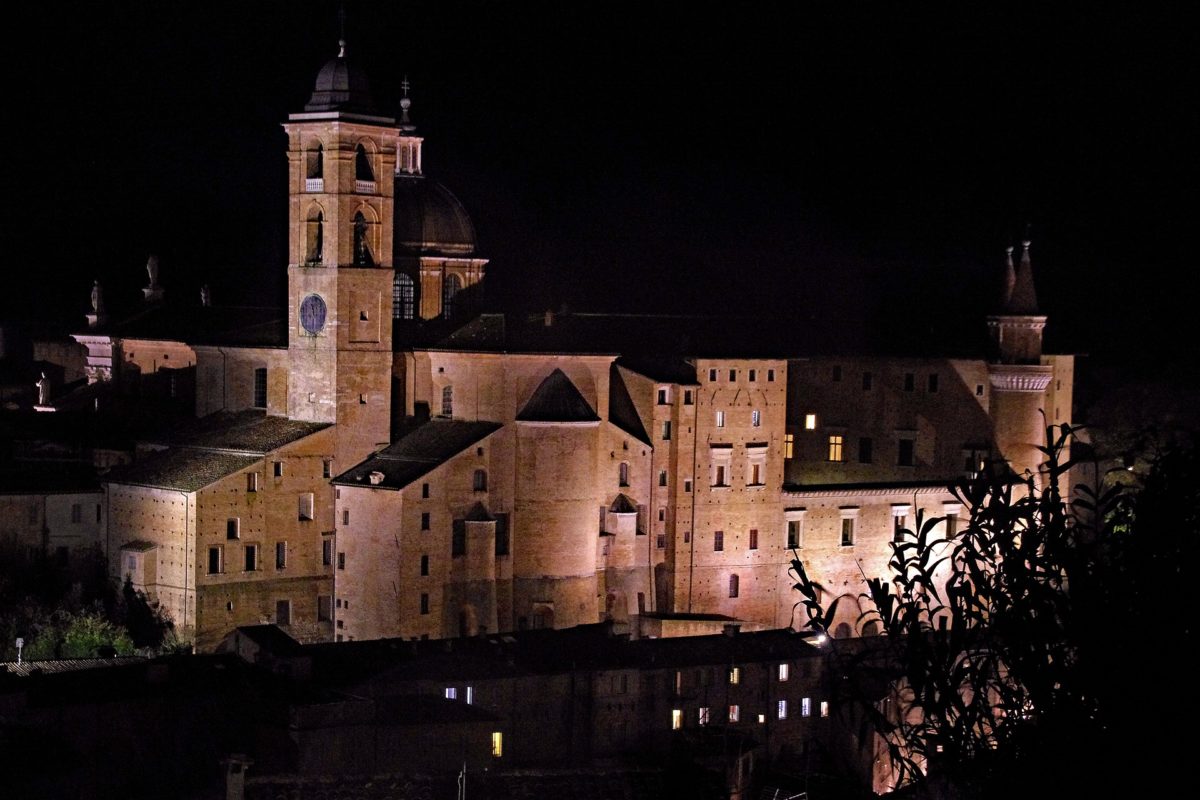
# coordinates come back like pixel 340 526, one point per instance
pixel 458 539
pixel 327 468
pixel 305 504
pixel 781 709
pixel 979 390
pixel 847 531
pixel 251 564
pixel 753 375
pixel 660 541
pixel 470 695
pixel 251 481
pixel 341 560
pixel 806 706
pixel 345 516
pixel 687 485
pixel 451 693
pixel 793 534
pixel 424 520
pixel 663 397
pixel 283 612
pixel 824 708
pixel 260 387
pixel 76 513
pixel 623 474
pixel 756 418
pixel 425 490
pixel 789 445
pixel 497 744
pixel 783 672
pixel 214 561
pixel 327 552
pixel 712 375
pixel 899 523
pixel 933 383
pixel 281 555
pixel 865 447
pixel 702 715
pixel 904 453
pixel 501 534
pixel 666 429
pixel 277 466
pixel 755 474
pixel 770 375
pixel 424 603
pixel 721 477
pixel 735 713
pixel 324 608
pixel 676 718
pixel 835 447
pixel 687 397
pixel 910 381
pixel 718 540
pixel 233 528
pixel 754 538
pixel 951 525
pixel 720 419
pixel 424 565
pixel 868 381
pixel 810 422
pixel 735 676
pixel 662 515
pixel 447 401
pixel 732 375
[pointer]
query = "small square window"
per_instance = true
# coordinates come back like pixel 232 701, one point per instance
pixel 663 397
pixel 687 485
pixel 979 390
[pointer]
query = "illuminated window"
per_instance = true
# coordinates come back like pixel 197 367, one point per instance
pixel 783 672
pixel 899 521
pixel 676 718
pixel 470 695
pixel 720 419
pixel 762 718
pixel 451 693
pixel 810 422
pixel 735 713
pixel 824 708
pixel 789 445
pixel 806 706
pixel 404 304
pixel 702 716
pixel 781 709
pixel 497 744
pixel 735 676
pixel 756 418
pixel 835 447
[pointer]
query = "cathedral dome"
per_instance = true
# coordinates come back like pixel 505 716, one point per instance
pixel 342 86
pixel 429 220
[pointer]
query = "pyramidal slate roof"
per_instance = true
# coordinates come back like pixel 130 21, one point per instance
pixel 416 454
pixel 557 400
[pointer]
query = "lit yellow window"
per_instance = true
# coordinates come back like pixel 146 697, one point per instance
pixel 789 445
pixel 835 447
pixel 735 675
pixel 810 422
pixel 497 744
pixel 676 718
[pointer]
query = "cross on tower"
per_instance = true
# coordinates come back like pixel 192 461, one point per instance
pixel 404 85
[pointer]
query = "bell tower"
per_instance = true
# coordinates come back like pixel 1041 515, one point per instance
pixel 341 166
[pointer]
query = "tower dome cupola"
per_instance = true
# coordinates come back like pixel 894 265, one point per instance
pixel 342 85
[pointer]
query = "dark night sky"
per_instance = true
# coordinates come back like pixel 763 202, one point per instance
pixel 762 158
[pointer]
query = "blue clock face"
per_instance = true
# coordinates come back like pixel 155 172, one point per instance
pixel 312 314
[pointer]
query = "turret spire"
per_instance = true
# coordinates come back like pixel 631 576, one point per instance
pixel 1023 299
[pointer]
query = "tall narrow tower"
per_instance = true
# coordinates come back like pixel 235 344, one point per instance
pixel 1018 376
pixel 341 168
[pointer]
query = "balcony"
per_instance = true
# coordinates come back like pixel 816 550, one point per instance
pixel 364 187
pixel 314 185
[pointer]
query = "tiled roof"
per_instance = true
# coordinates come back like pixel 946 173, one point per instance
pixel 425 448
pixel 557 400
pixel 665 370
pixel 139 545
pixel 185 469
pixel 250 431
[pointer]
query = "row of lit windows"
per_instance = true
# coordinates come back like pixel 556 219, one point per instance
pixel 734 714
pixel 755 419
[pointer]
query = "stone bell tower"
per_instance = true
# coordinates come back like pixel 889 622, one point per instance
pixel 1018 375
pixel 341 166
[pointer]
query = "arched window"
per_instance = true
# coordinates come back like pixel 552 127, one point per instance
pixel 451 286
pixel 479 483
pixel 733 585
pixel 623 474
pixel 314 238
pixel 316 162
pixel 362 165
pixel 404 297
pixel 362 248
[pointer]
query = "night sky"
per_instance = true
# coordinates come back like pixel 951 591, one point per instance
pixel 847 167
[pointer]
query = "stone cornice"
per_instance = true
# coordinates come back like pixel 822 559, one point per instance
pixel 1026 378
